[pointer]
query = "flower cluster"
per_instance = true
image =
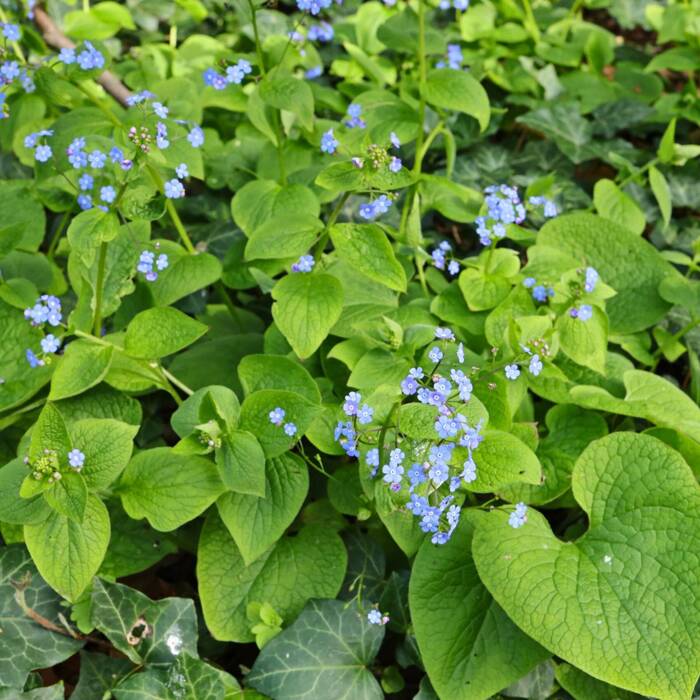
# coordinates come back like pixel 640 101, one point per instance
pixel 519 516
pixel 443 257
pixel 276 417
pixel 374 617
pixel 11 32
pixel 329 143
pixel 47 309
pixel 42 151
pixel 304 264
pixel 313 7
pixel 12 74
pixel 540 292
pixel 582 313
pixel 234 74
pixel 322 32
pixel 460 5
pixel 455 58
pixel 89 58
pixel 147 260
pixel 549 208
pixel 355 120
pixel 375 208
pixel 503 208
pixel 48 466
pixel 346 431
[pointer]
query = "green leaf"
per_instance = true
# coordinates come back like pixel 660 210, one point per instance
pixel 107 446
pixel 614 204
pixel 277 372
pixel 649 397
pixel 119 612
pixel 623 593
pixel 167 488
pixel 159 332
pixel 16 335
pixel 584 687
pixel 469 646
pixel 188 274
pixel 49 433
pixel 667 150
pixel 99 673
pixel 662 192
pixel 502 459
pixel 82 366
pixel 309 565
pixel 585 342
pixel 89 229
pixel 67 554
pixel 291 94
pixel 257 523
pixel 191 413
pixel 283 237
pixel 366 248
pixel 625 261
pixel 483 291
pixel 68 496
pixel 26 645
pixel 14 508
pixel 22 216
pixel 343 646
pixel 241 463
pixel 102 402
pixel 306 308
pixel 457 90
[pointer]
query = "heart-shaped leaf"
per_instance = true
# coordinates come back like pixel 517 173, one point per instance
pixel 621 603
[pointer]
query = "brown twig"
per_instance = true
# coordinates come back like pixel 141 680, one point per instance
pixel 53 36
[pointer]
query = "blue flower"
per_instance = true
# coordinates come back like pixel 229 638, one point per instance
pixel 395 164
pixel 393 473
pixel 108 194
pixel 372 457
pixel 529 282
pixel 43 153
pixel 76 459
pixel 116 155
pixel 585 312
pixel 352 403
pixel 592 278
pixel 86 182
pixel 365 414
pixel 290 429
pixel 162 261
pixel 90 58
pixel 512 371
pixel 322 32
pixel 394 139
pixel 446 427
pixel 33 360
pixel 409 386
pixel 237 72
pixel 160 110
pixel 11 32
pixel 417 504
pixel 469 471
pixel 329 143
pixel 453 268
pixel 304 264
pixel 535 366
pixel 355 120
pixel 50 343
pixel 196 136
pixel 313 7
pixel 396 456
pixel 66 56
pixel 162 136
pixel 84 201
pixel 519 516
pixel 460 353
pixel 430 520
pixel 276 416
pixel 439 473
pixel 97 159
pixel 173 189
pixel 444 334
pixel 416 475
pixel 374 617
pixel 435 354
pixel 182 171
pixel 314 72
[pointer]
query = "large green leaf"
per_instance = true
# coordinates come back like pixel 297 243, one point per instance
pixel 626 262
pixel 25 644
pixel 309 565
pixel 621 602
pixel 162 331
pixel 277 372
pixel 186 275
pixel 469 646
pixel 257 523
pixel 305 309
pixel 326 653
pixel 585 342
pixel 457 90
pixel 168 488
pixel 69 554
pixel 98 674
pixel 241 463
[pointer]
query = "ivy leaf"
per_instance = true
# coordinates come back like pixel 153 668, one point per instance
pixel 306 308
pixel 457 90
pixel 326 653
pixel 99 673
pixel 69 554
pixel 52 692
pixel 83 365
pixel 168 488
pixel 257 523
pixel 277 372
pixel 159 332
pixel 146 631
pixel 625 592
pixel 27 645
pixel 309 565
pixel 366 248
pixel 469 646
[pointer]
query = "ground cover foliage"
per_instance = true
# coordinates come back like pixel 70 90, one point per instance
pixel 349 350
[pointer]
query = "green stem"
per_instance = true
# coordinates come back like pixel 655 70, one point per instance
pixel 637 173
pixel 531 22
pixel 174 380
pixel 101 264
pixel 256 33
pixel 58 234
pixel 318 250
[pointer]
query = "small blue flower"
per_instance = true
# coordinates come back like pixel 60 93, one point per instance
pixel 355 120
pixel 116 155
pixel 162 262
pixel 313 7
pixel 430 520
pixel 9 70
pixel 374 617
pixel 97 159
pixel 519 516
pixel 276 416
pixel 322 32
pixel 90 58
pixel 86 182
pixel 76 459
pixel 43 153
pixel 395 164
pixel 304 264
pixel 460 353
pixel 453 268
pixel 469 471
pixel 50 343
pixel 108 194
pixel 66 56
pixel 314 72
pixel 444 334
pixel 84 201
pixel 182 171
pixel 160 110
pixel 365 414
pixel 372 457
pixel 585 312
pixel 393 473
pixel 196 136
pixel 409 386
pixel 290 429
pixel 512 371
pixel 439 473
pixel 435 354
pixel 33 360
pixel 174 189
pixel 11 32
pixel 352 403
pixel 535 366
pixel 417 475
pixel 329 143
pixel 394 139
pixel 529 282
pixel 592 278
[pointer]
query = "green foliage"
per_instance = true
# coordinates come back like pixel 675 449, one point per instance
pixel 369 330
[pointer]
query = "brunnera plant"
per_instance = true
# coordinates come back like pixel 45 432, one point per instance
pixel 349 350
